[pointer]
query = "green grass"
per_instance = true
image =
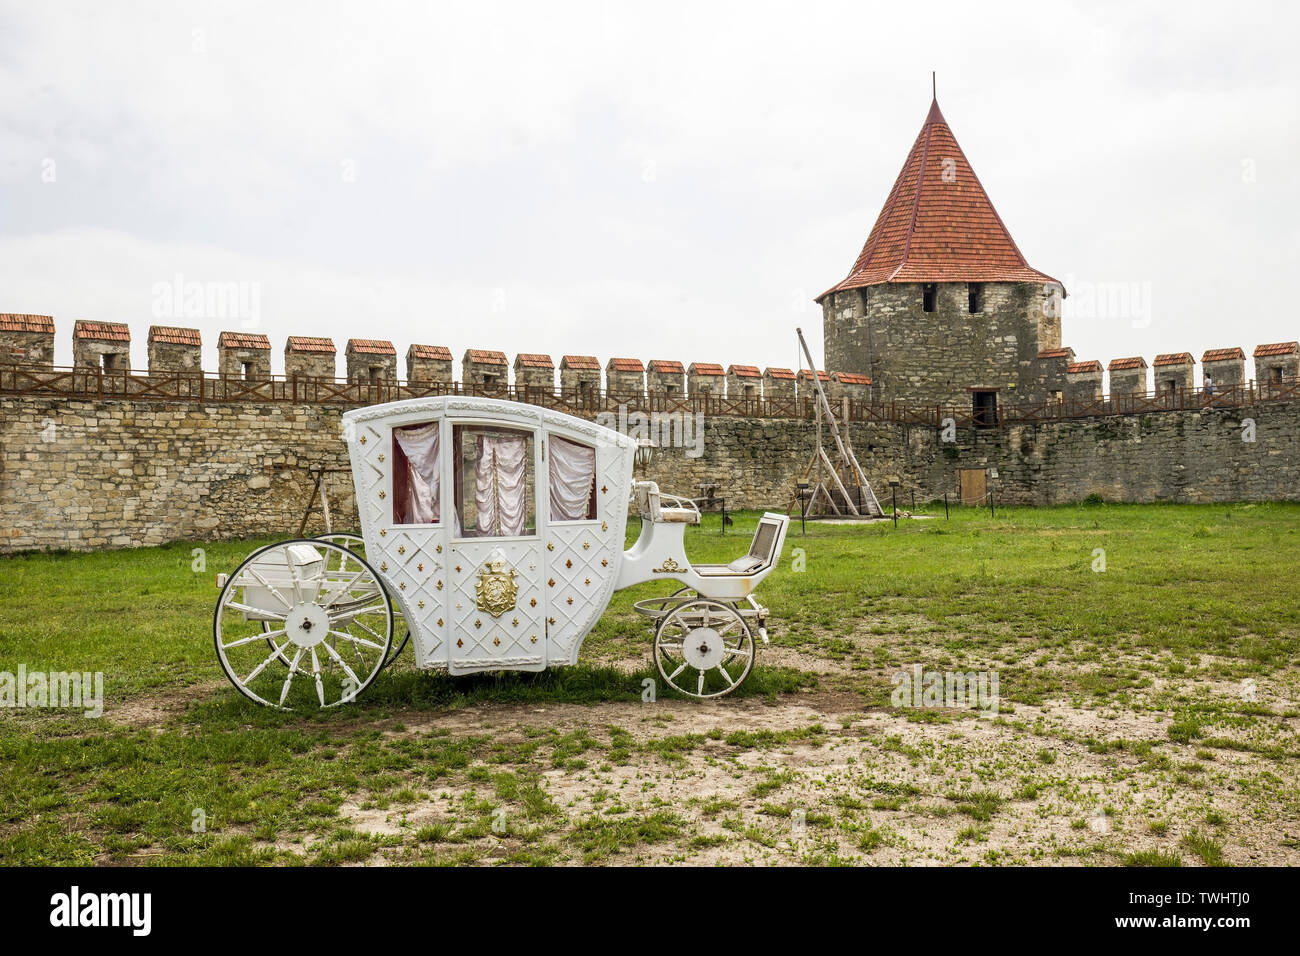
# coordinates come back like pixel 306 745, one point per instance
pixel 1204 593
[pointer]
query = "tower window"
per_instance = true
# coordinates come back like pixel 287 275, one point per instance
pixel 929 295
pixel 975 296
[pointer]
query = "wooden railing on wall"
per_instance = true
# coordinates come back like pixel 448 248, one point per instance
pixel 98 384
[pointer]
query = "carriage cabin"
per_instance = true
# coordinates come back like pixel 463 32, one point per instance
pixel 497 525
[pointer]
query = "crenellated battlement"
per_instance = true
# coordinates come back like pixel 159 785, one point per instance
pixel 1069 388
pixel 1171 373
pixel 28 340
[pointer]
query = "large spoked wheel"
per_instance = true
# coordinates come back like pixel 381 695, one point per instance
pixel 704 648
pixel 320 608
pixel 357 545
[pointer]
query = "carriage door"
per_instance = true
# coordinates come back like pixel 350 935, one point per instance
pixel 496 568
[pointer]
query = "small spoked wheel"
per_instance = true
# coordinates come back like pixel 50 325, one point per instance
pixel 316 608
pixel 704 648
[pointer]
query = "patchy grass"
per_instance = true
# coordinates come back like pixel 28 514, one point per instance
pixel 1151 705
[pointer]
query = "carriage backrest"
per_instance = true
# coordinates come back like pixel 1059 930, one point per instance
pixel 763 547
pixel 766 536
pixel 647 500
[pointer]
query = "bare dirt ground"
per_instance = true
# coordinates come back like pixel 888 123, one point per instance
pixel 819 778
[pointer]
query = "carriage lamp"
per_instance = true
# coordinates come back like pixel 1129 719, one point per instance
pixel 645 451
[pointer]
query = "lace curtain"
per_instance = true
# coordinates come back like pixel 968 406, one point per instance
pixel 572 472
pixel 423 482
pixel 499 487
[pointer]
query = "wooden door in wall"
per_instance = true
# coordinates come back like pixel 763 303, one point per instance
pixel 972 485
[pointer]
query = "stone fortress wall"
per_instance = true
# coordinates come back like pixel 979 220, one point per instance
pixel 87 470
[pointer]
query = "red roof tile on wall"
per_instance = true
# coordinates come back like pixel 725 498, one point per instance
pixel 705 368
pixel 850 378
pixel 666 366
pixel 938 224
pixel 371 347
pixel 243 340
pixel 807 374
pixel 14 322
pixel 486 356
pixel 1120 364
pixel 1093 366
pixel 439 353
pixel 780 374
pixel 1222 355
pixel 1174 358
pixel 533 360
pixel 626 365
pixel 101 331
pixel 169 335
pixel 1277 348
pixel 1055 353
pixel 744 371
pixel 583 362
pixel 309 343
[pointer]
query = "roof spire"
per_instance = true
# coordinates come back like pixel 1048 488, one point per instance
pixel 934 87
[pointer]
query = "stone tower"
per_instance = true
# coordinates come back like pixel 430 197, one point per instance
pixel 941 306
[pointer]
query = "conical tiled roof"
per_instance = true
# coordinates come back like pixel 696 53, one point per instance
pixel 938 224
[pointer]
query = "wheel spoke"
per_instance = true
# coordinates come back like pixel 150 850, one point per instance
pixel 264 635
pixel 277 652
pixel 293 669
pixel 730 683
pixel 260 612
pixel 357 640
pixel 673 675
pixel 293 575
pixel 347 670
pixel 345 589
pixel 348 616
pixel 257 576
pixel 368 631
pixel 315 669
pixel 701 690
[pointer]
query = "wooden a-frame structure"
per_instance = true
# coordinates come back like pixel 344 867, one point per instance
pixel 821 464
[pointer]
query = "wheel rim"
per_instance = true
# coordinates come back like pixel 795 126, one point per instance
pixel 704 649
pixel 327 620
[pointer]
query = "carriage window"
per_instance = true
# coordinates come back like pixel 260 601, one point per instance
pixel 417 481
pixel 571 474
pixel 494 482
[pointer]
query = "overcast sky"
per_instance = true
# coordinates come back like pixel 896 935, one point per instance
pixel 659 180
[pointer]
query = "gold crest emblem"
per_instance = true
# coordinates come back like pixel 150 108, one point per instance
pixel 496 590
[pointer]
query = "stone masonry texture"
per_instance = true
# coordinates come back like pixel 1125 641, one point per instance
pixel 87 474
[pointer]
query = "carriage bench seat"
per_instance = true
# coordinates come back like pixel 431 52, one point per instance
pixel 649 500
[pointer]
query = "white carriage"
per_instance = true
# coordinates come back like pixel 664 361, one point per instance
pixel 496 531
